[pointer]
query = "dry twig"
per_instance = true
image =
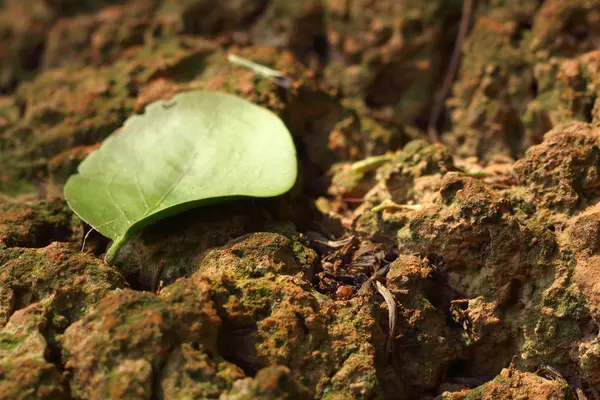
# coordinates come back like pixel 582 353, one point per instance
pixel 441 95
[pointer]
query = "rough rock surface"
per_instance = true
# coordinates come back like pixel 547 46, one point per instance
pixel 512 384
pixel 26 373
pixel 487 242
pixel 219 331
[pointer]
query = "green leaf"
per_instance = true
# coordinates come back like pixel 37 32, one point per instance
pixel 196 148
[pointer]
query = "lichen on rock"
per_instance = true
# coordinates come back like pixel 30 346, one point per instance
pixel 224 323
pixel 25 372
pixel 488 240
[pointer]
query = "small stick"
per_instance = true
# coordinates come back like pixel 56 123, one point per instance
pixel 390 205
pixel 316 237
pixel 391 303
pixel 85 238
pixel 334 244
pixel 451 71
pixel 352 200
pixel 371 163
pixel 276 76
pixel 155 278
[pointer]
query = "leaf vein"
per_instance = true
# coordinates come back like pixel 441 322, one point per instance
pixel 112 197
pixel 175 183
pixel 141 189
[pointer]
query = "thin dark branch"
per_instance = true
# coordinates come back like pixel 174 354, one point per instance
pixel 440 97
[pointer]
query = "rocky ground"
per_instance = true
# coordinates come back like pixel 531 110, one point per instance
pixel 482 212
